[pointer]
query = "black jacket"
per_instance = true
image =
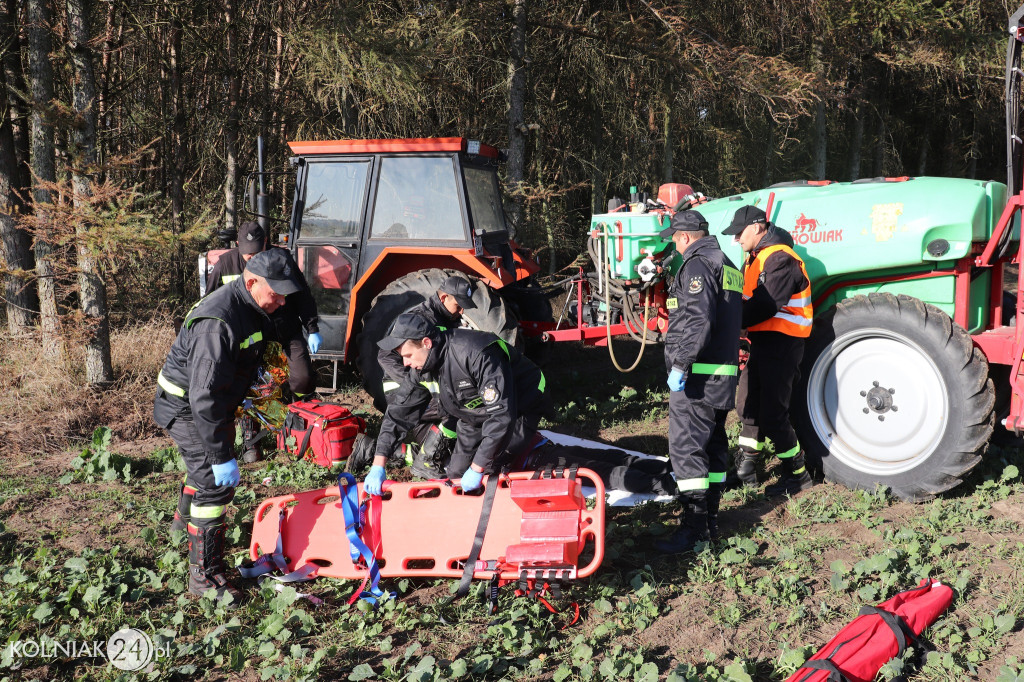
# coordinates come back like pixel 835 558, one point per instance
pixel 211 366
pixel 482 382
pixel 703 337
pixel 298 307
pixel 780 280
pixel 391 362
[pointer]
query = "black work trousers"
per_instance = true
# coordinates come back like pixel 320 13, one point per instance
pixel 209 504
pixel 698 447
pixel 301 379
pixel 766 388
pixel 470 436
pixel 618 470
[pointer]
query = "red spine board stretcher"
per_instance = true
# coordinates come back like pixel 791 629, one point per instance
pixel 426 529
pixel 878 635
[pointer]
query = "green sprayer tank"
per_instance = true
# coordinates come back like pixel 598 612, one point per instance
pixel 848 234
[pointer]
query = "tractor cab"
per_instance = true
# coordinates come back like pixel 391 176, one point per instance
pixel 369 211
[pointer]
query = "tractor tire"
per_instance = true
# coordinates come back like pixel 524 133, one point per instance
pixel 896 395
pixel 491 314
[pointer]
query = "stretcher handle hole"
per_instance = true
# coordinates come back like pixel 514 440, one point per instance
pixel 328 499
pixel 322 563
pixel 476 492
pixel 424 493
pixel 418 564
pixel 457 563
pixel 291 503
pixel 543 503
pixel 262 512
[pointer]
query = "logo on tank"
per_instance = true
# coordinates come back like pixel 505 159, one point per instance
pixel 807 230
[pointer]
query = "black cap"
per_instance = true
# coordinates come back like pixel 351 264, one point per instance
pixel 745 215
pixel 461 288
pixel 251 238
pixel 684 221
pixel 407 326
pixel 275 266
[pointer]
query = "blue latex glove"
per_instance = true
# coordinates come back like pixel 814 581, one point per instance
pixel 676 380
pixel 314 342
pixel 226 473
pixel 374 483
pixel 471 479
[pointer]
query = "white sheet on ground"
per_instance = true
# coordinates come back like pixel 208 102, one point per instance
pixel 613 498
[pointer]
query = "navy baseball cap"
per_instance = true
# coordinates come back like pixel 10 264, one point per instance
pixel 745 215
pixel 684 221
pixel 461 288
pixel 407 326
pixel 251 238
pixel 275 266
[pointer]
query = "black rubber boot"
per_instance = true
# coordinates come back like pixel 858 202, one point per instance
pixel 183 514
pixel 693 528
pixel 794 477
pixel 714 501
pixel 430 459
pixel 746 467
pixel 206 563
pixel 362 452
pixel 249 440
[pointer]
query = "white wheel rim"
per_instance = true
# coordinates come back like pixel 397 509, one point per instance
pixel 842 385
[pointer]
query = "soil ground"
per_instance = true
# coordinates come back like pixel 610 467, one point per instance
pixel 785 577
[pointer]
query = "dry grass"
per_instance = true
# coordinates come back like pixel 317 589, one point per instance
pixel 45 405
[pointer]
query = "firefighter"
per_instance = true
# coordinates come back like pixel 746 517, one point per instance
pixel 432 438
pixel 777 315
pixel 701 356
pixel 211 365
pixel 298 314
pixel 494 393
pixel 496 396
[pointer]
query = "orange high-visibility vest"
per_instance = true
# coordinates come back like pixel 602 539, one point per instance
pixel 796 316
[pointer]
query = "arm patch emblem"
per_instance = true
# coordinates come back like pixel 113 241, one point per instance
pixel 696 284
pixel 490 394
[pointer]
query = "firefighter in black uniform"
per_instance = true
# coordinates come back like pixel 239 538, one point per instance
pixel 298 314
pixel 496 397
pixel 495 394
pixel 701 356
pixel 777 315
pixel 208 372
pixel 432 438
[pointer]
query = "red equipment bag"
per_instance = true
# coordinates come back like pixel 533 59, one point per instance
pixel 876 636
pixel 324 433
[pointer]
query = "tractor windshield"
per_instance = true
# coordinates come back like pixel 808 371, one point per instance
pixel 484 199
pixel 417 199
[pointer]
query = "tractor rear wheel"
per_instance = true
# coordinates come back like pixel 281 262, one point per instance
pixel 491 314
pixel 896 395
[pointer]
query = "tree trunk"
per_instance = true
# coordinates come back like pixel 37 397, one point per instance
pixel 17 245
pixel 231 123
pixel 667 154
pixel 880 147
pixel 820 140
pixel 18 110
pixel 856 141
pixel 43 168
pixel 769 154
pixel 92 292
pixel 516 166
pixel 176 190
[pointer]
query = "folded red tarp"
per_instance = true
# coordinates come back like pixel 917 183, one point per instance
pixel 876 636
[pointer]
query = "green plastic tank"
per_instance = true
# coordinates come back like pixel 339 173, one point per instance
pixel 846 231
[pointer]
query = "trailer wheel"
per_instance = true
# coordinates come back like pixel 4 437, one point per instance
pixel 491 314
pixel 896 394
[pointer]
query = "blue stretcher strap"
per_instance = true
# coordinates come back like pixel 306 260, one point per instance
pixel 354 522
